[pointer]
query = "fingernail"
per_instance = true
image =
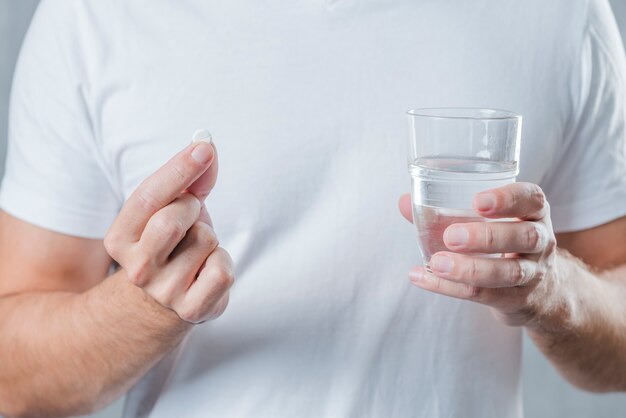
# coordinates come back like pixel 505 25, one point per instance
pixel 485 202
pixel 441 264
pixel 456 235
pixel 202 135
pixel 202 153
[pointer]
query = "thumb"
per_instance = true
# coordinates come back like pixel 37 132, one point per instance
pixel 204 184
pixel 406 207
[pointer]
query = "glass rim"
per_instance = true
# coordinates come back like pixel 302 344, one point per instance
pixel 463 113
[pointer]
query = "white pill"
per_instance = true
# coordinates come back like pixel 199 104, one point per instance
pixel 202 135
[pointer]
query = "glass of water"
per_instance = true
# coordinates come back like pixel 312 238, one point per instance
pixel 454 154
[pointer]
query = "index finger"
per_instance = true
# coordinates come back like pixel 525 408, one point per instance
pixel 161 188
pixel 518 200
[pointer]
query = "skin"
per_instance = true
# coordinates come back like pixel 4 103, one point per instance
pixel 61 323
pixel 570 297
pixel 70 341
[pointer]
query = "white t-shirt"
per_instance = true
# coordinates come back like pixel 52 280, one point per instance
pixel 306 101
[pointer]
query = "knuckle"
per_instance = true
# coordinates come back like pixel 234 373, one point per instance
pixel 205 235
pixel 147 201
pixel 111 244
pixel 518 274
pixel 190 314
pixel 178 173
pixel 551 246
pixel 210 308
pixel 437 285
pixel 538 195
pixel 194 203
pixel 169 227
pixel 546 208
pixel 540 273
pixel 221 276
pixel 138 271
pixel 489 235
pixel 219 307
pixel 472 269
pixel 473 292
pixel 533 236
pixel 225 279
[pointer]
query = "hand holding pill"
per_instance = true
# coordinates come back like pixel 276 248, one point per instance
pixel 164 239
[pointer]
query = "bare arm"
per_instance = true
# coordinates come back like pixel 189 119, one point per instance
pixel 55 338
pixel 575 312
pixel 584 336
pixel 71 341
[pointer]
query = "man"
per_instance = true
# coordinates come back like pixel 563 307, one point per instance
pixel 305 101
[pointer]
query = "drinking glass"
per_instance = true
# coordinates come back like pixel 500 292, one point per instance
pixel 454 154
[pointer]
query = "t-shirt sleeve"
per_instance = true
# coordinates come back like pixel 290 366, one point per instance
pixel 587 184
pixel 56 174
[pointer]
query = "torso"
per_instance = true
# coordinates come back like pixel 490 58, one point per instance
pixel 306 104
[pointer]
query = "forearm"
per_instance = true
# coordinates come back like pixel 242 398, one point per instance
pixel 581 325
pixel 67 353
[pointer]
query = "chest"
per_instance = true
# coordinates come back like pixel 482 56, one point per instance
pixel 303 103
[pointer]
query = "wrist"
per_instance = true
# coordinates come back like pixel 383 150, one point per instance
pixel 129 307
pixel 556 303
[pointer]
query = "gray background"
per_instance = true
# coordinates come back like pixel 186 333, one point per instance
pixel 545 393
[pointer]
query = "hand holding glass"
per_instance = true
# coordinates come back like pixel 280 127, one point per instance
pixel 454 154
